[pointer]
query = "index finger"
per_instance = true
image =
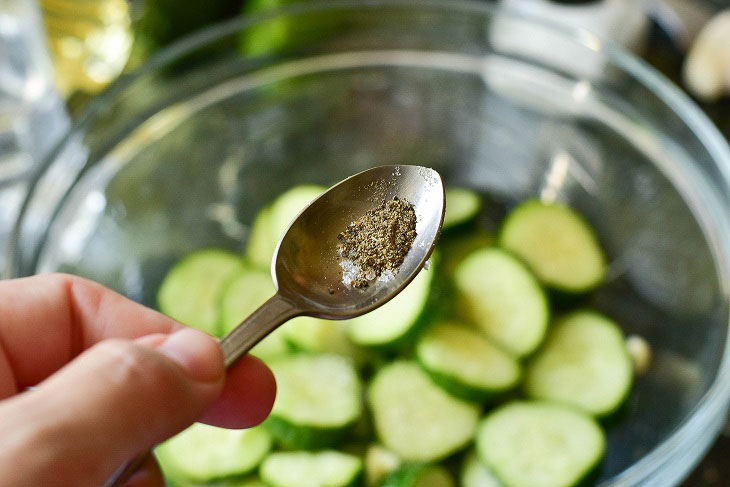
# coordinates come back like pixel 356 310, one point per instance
pixel 47 320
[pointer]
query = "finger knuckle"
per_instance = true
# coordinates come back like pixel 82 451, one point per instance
pixel 131 364
pixel 141 375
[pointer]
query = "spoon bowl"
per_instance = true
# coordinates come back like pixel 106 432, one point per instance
pixel 306 266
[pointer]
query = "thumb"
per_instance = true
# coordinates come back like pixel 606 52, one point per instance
pixel 115 400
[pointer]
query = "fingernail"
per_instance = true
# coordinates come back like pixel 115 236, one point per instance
pixel 195 352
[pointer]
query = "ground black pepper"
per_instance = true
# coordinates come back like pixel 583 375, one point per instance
pixel 379 240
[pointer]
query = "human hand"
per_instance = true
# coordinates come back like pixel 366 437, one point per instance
pixel 112 378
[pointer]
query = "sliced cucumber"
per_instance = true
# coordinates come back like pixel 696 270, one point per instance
pixel 462 206
pixel 248 290
pixel 232 482
pixel 415 475
pixel 261 240
pixel 504 299
pixel 191 291
pixel 455 249
pixel 539 444
pixel 584 363
pixel 465 363
pixel 415 418
pixel 254 482
pixel 475 474
pixel 318 397
pixel 271 223
pixel 306 469
pixel 557 243
pixel 379 463
pixel 273 346
pixel 392 323
pixel 202 453
pixel 313 335
pixel 247 483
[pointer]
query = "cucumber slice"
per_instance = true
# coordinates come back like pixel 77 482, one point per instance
pixel 504 299
pixel 273 346
pixel 318 398
pixel 455 249
pixel 248 290
pixel 255 482
pixel 261 241
pixel 465 363
pixel 415 418
pixel 305 469
pixel 271 223
pixel 235 482
pixel 203 453
pixel 313 335
pixel 536 444
pixel 462 206
pixel 246 483
pixel 475 474
pixel 584 363
pixel 557 243
pixel 393 322
pixel 420 476
pixel 191 291
pixel 379 463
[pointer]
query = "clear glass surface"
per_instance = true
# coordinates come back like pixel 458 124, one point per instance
pixel 32 115
pixel 185 153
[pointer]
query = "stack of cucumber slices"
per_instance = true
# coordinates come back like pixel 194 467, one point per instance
pixel 471 376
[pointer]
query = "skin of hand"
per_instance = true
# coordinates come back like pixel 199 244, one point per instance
pixel 89 379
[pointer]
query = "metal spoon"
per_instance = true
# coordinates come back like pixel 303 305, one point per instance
pixel 306 268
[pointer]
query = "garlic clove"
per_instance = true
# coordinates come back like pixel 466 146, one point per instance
pixel 707 67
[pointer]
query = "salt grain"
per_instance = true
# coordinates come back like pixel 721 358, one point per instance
pixel 376 242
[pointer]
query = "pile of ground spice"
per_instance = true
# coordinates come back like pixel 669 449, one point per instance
pixel 376 243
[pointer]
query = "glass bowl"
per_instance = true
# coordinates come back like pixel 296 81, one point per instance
pixel 183 154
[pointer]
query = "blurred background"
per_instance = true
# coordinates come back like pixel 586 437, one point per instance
pixel 57 55
pixel 92 42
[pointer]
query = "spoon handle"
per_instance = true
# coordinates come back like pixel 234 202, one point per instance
pixel 269 316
